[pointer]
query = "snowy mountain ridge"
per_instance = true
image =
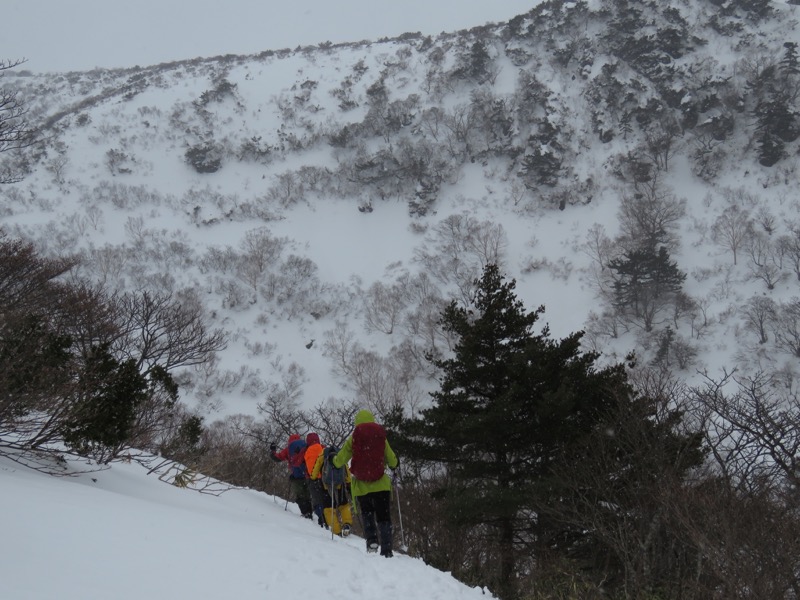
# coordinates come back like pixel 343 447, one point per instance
pixel 323 203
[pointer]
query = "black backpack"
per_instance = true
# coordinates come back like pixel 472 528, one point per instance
pixel 332 476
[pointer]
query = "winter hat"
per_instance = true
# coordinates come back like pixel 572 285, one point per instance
pixel 294 437
pixel 364 416
pixel 312 438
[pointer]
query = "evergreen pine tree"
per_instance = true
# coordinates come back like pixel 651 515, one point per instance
pixel 104 408
pixel 790 63
pixel 34 361
pixel 479 61
pixel 665 342
pixel 512 403
pixel 645 282
pixel 771 149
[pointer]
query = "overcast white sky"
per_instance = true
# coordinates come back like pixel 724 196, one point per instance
pixel 56 35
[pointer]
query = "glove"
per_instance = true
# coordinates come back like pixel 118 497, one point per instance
pixel 273 447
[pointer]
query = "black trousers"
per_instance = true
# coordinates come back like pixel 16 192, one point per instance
pixel 377 516
pixel 298 488
pixel 378 504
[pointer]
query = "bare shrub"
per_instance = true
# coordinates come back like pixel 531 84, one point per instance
pixel 15 132
pixel 381 384
pixel 383 307
pixel 261 252
pixel 287 189
pixel 786 326
pixel 165 330
pixel 650 217
pixel 764 259
pixel 732 229
pixel 458 248
pixel 759 315
pixel 789 248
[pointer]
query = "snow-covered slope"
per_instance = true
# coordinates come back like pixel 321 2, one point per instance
pixel 120 533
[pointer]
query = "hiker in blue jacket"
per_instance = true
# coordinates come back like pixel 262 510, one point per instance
pixel 369 452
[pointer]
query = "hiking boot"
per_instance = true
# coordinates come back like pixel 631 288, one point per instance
pixel 385 529
pixel 345 530
pixel 372 546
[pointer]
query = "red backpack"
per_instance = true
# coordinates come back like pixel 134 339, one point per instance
pixel 369 443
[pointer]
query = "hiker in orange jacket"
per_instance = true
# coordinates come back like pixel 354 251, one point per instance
pixel 313 451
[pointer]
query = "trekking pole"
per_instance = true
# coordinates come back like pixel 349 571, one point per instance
pixel 399 512
pixel 332 491
pixel 354 506
pixel 274 496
